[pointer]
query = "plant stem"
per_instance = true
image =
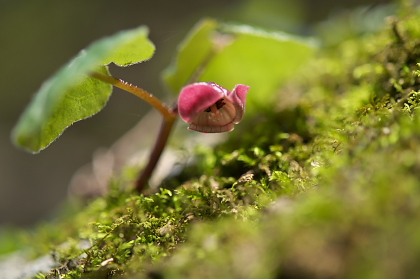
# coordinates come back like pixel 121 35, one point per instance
pixel 169 118
pixel 165 130
pixel 167 113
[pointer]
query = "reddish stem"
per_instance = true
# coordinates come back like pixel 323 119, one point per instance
pixel 165 130
pixel 169 118
pixel 139 92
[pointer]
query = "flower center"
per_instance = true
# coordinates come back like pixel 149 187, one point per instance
pixel 218 105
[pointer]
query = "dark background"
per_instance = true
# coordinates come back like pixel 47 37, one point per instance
pixel 39 36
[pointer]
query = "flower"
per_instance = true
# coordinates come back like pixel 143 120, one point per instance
pixel 209 108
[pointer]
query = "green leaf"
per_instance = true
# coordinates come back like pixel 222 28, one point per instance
pixel 231 54
pixel 71 95
pixel 191 55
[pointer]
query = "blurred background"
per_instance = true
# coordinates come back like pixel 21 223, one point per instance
pixel 37 37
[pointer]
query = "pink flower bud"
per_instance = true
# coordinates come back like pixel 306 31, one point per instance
pixel 209 108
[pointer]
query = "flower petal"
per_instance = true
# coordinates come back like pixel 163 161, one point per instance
pixel 209 108
pixel 215 119
pixel 197 97
pixel 211 129
pixel 238 99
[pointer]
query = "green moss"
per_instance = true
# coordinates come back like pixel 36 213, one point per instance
pixel 327 184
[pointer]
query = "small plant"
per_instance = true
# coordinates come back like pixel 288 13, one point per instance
pixel 227 54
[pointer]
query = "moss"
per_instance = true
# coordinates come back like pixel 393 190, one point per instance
pixel 324 185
